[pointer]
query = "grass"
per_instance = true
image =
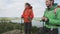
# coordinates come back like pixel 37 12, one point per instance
pixel 8 26
pixel 4 27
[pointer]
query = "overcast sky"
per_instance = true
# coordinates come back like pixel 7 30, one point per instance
pixel 14 8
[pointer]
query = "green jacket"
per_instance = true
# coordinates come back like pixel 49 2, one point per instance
pixel 54 20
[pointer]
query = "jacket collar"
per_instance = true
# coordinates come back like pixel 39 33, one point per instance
pixel 53 7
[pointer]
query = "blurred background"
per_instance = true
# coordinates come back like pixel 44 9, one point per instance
pixel 11 10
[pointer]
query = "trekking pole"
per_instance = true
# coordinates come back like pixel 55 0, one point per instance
pixel 43 27
pixel 21 25
pixel 42 24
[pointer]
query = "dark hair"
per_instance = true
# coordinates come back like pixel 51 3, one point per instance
pixel 53 1
pixel 27 4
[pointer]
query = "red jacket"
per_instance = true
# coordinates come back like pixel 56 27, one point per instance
pixel 28 14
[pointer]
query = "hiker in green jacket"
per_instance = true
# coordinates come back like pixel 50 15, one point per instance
pixel 51 17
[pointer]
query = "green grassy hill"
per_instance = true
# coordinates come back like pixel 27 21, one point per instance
pixel 4 27
pixel 8 26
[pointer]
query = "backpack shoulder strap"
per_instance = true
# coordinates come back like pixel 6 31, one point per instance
pixel 56 10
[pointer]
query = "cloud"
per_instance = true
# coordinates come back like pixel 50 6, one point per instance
pixel 14 8
pixel 9 8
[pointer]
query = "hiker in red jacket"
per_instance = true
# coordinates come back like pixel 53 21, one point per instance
pixel 28 16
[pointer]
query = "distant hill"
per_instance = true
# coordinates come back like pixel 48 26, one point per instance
pixel 15 18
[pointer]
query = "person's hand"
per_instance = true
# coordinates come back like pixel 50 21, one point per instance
pixel 21 16
pixel 46 19
pixel 43 18
pixel 29 18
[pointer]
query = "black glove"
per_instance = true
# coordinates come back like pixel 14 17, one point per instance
pixel 22 17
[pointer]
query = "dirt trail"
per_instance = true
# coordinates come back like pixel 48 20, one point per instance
pixel 13 32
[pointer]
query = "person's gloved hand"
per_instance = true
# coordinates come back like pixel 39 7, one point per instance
pixel 44 19
pixel 29 18
pixel 22 17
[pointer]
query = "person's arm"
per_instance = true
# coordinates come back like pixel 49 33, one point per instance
pixel 43 18
pixel 22 16
pixel 54 21
pixel 57 20
pixel 32 14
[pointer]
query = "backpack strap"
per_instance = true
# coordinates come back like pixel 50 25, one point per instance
pixel 56 10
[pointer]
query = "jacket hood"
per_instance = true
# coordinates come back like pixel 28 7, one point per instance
pixel 30 7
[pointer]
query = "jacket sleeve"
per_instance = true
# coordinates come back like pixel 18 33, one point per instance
pixel 57 20
pixel 31 14
pixel 22 16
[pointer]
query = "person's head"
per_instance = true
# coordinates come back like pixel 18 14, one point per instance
pixel 27 5
pixel 49 2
